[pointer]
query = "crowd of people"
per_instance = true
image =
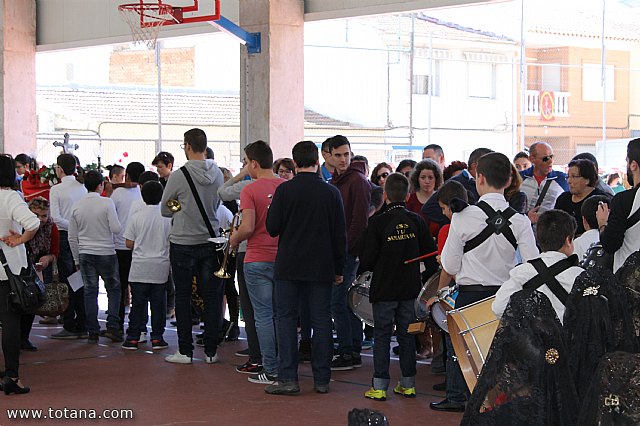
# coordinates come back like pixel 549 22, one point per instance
pixel 304 229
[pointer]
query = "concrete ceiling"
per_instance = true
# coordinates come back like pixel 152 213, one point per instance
pixel 65 24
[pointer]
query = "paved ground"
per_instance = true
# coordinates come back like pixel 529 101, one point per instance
pixel 78 375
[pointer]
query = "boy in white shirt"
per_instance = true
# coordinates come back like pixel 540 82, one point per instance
pixel 62 198
pixel 591 234
pixel 555 230
pixel 147 234
pixel 92 225
pixel 124 198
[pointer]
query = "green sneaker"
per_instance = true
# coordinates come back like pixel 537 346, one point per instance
pixel 377 394
pixel 406 392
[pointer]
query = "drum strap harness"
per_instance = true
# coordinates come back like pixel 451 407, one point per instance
pixel 497 223
pixel 547 275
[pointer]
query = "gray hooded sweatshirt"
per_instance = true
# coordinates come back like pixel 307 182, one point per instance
pixel 187 225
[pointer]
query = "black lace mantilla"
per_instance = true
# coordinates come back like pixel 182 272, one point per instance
pixel 597 320
pixel 614 395
pixel 526 379
pixel 629 277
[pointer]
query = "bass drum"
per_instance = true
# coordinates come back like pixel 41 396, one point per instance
pixel 429 290
pixel 359 298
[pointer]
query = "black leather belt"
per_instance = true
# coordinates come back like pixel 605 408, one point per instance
pixel 477 288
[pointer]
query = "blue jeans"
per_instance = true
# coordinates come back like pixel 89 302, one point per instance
pixel 384 316
pixel 143 294
pixel 201 261
pixel 259 279
pixel 92 267
pixel 348 326
pixel 290 295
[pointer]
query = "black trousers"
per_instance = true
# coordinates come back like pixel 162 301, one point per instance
pixel 230 291
pixel 75 318
pixel 124 266
pixel 10 333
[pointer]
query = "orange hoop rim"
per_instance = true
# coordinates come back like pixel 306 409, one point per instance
pixel 158 9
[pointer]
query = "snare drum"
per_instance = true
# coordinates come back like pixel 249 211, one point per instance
pixel 446 302
pixel 359 298
pixel 472 329
pixel 429 290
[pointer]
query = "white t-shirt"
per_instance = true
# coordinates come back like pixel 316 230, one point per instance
pixel 584 241
pixel 124 198
pixel 150 257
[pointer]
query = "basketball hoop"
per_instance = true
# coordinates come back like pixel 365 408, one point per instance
pixel 146 19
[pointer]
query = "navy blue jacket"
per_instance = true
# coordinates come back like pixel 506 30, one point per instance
pixel 308 216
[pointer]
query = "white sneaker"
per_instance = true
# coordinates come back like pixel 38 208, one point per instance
pixel 178 358
pixel 211 359
pixel 143 337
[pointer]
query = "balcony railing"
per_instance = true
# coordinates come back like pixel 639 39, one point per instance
pixel 560 103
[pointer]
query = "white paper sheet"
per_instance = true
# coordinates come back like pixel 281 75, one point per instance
pixel 75 281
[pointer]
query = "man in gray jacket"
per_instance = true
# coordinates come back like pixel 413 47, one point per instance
pixel 191 252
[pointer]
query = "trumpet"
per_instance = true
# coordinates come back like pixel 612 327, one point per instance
pixel 222 272
pixel 174 206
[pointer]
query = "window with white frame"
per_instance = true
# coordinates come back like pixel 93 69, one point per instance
pixel 426 77
pixel 592 82
pixel 481 80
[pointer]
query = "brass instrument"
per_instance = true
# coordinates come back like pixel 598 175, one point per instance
pixel 174 206
pixel 222 272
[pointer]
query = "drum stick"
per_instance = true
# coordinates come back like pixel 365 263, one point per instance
pixel 424 256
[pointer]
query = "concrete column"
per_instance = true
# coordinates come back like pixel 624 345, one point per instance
pixel 18 124
pixel 272 82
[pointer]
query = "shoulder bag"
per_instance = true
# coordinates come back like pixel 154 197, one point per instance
pixel 27 290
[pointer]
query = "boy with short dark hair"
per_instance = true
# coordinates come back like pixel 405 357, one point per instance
pixel 92 225
pixel 591 234
pixel 147 234
pixel 480 251
pixel 391 238
pixel 555 230
pixel 163 163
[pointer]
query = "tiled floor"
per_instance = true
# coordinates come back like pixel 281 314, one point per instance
pixel 78 375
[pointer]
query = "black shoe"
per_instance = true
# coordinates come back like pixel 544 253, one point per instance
pixel 441 387
pixel 233 333
pixel 321 387
pixel 26 345
pixel 283 388
pixel 341 363
pixel 356 360
pixel 396 350
pixel 446 405
pixel 114 335
pixel 93 338
pixel 10 386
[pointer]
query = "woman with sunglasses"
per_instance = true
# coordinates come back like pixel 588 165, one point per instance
pixel 380 173
pixel 14 216
pixel 425 179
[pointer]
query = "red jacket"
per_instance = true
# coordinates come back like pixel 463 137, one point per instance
pixel 356 197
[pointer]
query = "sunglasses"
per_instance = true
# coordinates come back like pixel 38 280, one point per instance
pixel 39 203
pixel 407 174
pixel 547 158
pixel 383 175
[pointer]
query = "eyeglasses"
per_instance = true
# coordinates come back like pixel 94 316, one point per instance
pixel 383 175
pixel 407 174
pixel 182 145
pixel 547 158
pixel 284 171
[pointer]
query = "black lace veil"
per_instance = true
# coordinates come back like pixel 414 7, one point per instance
pixel 526 379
